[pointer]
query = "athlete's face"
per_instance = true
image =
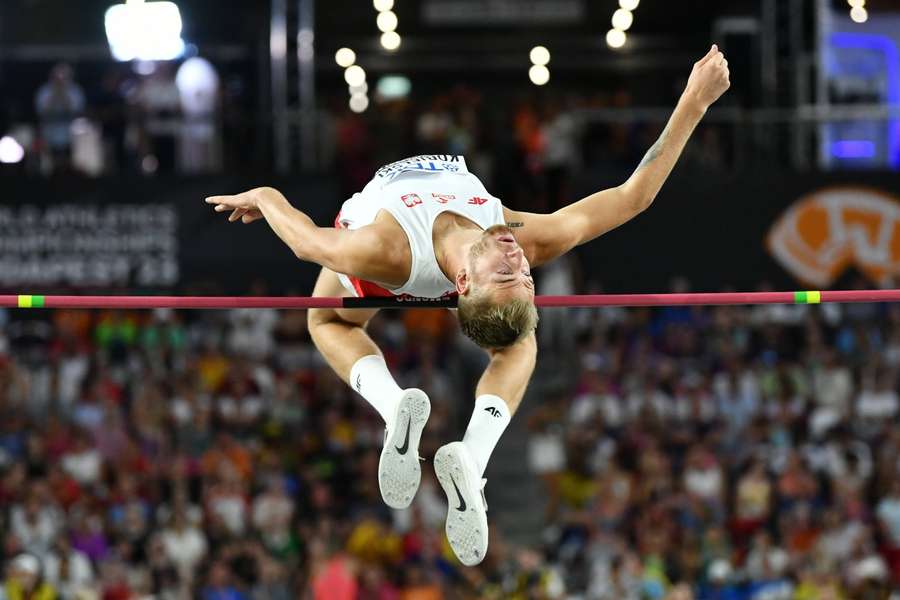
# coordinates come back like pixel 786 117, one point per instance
pixel 498 265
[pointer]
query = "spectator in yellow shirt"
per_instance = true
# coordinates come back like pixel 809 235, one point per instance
pixel 23 580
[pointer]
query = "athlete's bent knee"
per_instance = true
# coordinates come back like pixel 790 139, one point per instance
pixel 316 317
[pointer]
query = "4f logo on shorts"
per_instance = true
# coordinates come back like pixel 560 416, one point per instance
pixel 411 200
pixel 478 201
pixel 443 198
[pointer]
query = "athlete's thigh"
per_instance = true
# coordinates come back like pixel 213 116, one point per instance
pixel 328 285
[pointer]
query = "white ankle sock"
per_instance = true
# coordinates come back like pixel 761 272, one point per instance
pixel 489 420
pixel 372 379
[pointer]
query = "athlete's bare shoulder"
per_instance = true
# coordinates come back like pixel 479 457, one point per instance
pixel 392 243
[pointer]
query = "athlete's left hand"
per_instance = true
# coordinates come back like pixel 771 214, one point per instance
pixel 243 206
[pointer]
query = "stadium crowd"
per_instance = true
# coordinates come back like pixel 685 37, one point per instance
pixel 189 119
pixel 719 453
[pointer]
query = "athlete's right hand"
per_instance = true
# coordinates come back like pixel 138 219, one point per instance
pixel 244 206
pixel 709 79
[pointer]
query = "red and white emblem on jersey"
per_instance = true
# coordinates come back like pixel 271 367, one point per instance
pixel 478 201
pixel 443 198
pixel 411 200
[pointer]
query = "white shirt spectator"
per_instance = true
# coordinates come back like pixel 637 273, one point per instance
pixel 877 405
pixel 84 466
pixel 889 515
pixel 546 451
pixel 739 401
pixel 833 388
pixel 656 401
pixel 705 483
pixel 36 532
pixel 185 546
pixel 838 544
pixel 252 332
pixel 560 141
pixel 231 508
pixel 78 576
pixel 272 511
pixel 72 370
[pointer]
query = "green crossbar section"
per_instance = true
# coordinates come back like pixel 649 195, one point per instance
pixel 807 297
pixel 28 301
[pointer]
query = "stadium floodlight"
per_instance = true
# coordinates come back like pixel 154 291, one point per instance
pixel 362 88
pixel 386 21
pixel 859 14
pixel 629 4
pixel 622 19
pixel 139 30
pixel 616 38
pixel 390 40
pixel 855 3
pixel 345 57
pixel 354 75
pixel 392 87
pixel 383 5
pixel 539 55
pixel 11 151
pixel 539 74
pixel 359 103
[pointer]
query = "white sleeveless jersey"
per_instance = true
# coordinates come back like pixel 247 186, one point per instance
pixel 415 191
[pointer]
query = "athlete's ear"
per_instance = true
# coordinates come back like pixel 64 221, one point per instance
pixel 462 282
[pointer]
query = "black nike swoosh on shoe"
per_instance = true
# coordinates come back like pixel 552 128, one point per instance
pixel 402 449
pixel 462 503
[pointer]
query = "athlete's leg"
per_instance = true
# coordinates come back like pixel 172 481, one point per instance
pixel 340 336
pixel 509 371
pixel 460 465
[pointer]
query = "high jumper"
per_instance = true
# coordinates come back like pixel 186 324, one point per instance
pixel 426 227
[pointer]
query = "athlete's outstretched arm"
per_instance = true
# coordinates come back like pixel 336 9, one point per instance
pixel 548 236
pixel 362 252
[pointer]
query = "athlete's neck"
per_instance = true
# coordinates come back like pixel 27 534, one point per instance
pixel 451 245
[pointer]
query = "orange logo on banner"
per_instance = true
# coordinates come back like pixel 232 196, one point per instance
pixel 823 234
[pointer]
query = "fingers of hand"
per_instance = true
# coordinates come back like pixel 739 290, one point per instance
pixel 237 214
pixel 224 202
pixel 709 55
pixel 249 218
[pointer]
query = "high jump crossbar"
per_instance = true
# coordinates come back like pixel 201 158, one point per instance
pixel 590 300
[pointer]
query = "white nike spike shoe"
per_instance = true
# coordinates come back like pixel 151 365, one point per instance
pixel 399 472
pixel 467 527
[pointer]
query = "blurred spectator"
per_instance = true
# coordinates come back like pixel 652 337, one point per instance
pixel 159 102
pixel 216 456
pixel 219 585
pixel 24 581
pixel 198 87
pixel 37 522
pixel 559 157
pixel 184 545
pixel 58 103
pixel 69 570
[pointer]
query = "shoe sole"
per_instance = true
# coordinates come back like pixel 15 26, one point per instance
pixel 399 474
pixel 467 531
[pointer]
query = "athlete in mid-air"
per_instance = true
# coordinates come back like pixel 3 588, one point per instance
pixel 427 227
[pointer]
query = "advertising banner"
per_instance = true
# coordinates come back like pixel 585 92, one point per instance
pixel 774 230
